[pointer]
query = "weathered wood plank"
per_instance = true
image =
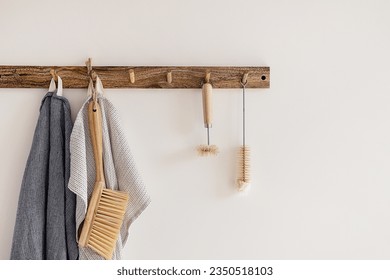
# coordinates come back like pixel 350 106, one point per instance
pixel 145 76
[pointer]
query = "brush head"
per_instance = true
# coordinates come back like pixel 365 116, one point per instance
pixel 206 150
pixel 243 186
pixel 107 222
pixel 104 220
pixel 243 178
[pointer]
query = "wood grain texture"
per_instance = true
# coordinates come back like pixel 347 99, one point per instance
pixel 145 76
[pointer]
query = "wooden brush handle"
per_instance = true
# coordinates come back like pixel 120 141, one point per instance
pixel 96 131
pixel 207 91
pixel 92 208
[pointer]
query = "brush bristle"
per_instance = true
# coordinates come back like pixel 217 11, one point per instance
pixel 206 150
pixel 107 222
pixel 243 179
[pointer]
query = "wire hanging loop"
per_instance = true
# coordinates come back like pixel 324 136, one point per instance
pixel 243 84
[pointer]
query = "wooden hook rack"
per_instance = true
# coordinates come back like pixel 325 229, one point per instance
pixel 135 76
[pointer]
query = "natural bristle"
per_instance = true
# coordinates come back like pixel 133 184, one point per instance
pixel 243 179
pixel 242 185
pixel 206 150
pixel 107 222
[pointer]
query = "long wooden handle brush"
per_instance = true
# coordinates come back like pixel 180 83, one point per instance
pixel 243 180
pixel 207 91
pixel 106 207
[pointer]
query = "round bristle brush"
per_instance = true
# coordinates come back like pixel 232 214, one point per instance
pixel 243 180
pixel 207 91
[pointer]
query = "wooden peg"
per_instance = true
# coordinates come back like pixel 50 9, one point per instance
pixel 53 74
pixel 245 78
pixel 132 76
pixel 88 63
pixel 169 77
pixel 93 75
pixel 207 79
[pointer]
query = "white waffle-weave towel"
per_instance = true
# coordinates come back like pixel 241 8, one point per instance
pixel 119 169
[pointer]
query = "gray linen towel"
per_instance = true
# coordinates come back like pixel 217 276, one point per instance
pixel 119 169
pixel 45 220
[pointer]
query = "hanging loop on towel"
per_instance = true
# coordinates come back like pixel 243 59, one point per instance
pixel 53 87
pixel 59 86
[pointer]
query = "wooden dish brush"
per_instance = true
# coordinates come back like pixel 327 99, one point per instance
pixel 207 93
pixel 106 207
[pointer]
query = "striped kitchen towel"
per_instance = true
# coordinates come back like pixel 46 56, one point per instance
pixel 119 169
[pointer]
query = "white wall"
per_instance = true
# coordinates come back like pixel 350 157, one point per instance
pixel 320 135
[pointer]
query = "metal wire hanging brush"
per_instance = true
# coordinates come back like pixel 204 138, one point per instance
pixel 243 179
